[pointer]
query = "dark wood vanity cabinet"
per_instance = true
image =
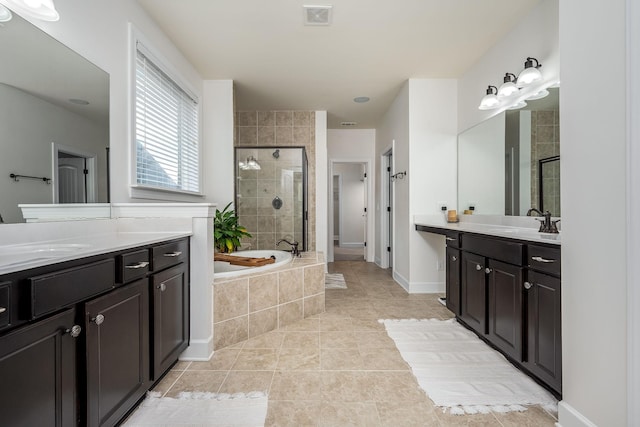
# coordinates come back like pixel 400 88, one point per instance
pixel 117 352
pixel 86 339
pixel 453 293
pixel 543 319
pixel 474 292
pixel 504 318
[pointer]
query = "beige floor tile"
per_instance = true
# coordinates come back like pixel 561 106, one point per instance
pixel 394 387
pixel 309 324
pixel 367 325
pixel 340 359
pixel 338 339
pixel 369 340
pixel 416 414
pixel 204 381
pixel 336 323
pixel 247 381
pixel 165 383
pixel 346 386
pixel 222 360
pixel 479 420
pixel 269 340
pixel 534 416
pixel 299 359
pixel 296 385
pixel 346 414
pixel 180 366
pixel 258 359
pixel 383 359
pixel 295 339
pixel 296 413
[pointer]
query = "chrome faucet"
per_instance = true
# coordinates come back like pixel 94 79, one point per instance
pixel 294 246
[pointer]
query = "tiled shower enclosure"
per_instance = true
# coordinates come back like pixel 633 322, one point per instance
pixel 271 195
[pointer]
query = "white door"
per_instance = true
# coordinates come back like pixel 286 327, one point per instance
pixel 71 180
pixel 364 208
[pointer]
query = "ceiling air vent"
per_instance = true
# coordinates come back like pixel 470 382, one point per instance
pixel 317 15
pixel 348 123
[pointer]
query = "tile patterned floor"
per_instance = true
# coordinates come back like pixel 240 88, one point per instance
pixel 339 368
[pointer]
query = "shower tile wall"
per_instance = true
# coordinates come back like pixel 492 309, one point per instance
pixel 271 129
pixel 545 143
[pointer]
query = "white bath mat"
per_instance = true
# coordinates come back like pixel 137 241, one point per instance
pixel 194 409
pixel 334 281
pixel 460 372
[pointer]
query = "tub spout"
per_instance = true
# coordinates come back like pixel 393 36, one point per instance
pixel 294 246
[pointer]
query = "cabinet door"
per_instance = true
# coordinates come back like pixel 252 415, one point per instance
pixel 505 308
pixel 544 340
pixel 453 280
pixel 117 352
pixel 38 371
pixel 474 292
pixel 170 314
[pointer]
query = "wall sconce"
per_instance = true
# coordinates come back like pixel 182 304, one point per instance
pixel 490 100
pixel 37 9
pixel 530 74
pixel 509 87
pixel 399 175
pixel 5 14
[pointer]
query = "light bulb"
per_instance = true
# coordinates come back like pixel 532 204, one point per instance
pixel 33 4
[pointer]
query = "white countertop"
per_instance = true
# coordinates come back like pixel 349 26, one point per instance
pixel 492 226
pixel 17 257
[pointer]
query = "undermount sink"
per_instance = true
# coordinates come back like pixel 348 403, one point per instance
pixel 506 230
pixel 24 254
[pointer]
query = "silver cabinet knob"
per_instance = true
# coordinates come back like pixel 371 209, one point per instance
pixel 98 319
pixel 488 270
pixel 454 258
pixel 478 267
pixel 162 287
pixel 141 264
pixel 528 285
pixel 74 331
pixel 3 309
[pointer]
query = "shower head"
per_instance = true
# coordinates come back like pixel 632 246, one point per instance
pixel 276 153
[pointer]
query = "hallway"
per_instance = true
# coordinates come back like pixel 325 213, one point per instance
pixel 339 368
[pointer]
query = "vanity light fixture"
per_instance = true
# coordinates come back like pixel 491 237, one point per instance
pixel 518 105
pixel 37 9
pixel 490 100
pixel 5 14
pixel 509 87
pixel 538 95
pixel 530 74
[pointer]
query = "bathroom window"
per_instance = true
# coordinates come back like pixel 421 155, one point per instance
pixel 166 128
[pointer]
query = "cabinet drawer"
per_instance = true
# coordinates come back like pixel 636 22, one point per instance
pixel 5 303
pixel 57 290
pixel 501 250
pixel 169 254
pixel 133 265
pixel 453 239
pixel 545 259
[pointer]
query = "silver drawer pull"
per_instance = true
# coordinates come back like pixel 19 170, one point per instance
pixel 540 259
pixel 74 331
pixel 173 254
pixel 478 267
pixel 528 285
pixel 141 264
pixel 2 309
pixel 450 239
pixel 98 319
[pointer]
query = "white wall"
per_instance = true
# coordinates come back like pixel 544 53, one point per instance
pixel 359 145
pixel 536 35
pixel 322 183
pixel 98 30
pixel 432 173
pixel 394 127
pixel 30 137
pixel 593 169
pixel 481 167
pixel 352 203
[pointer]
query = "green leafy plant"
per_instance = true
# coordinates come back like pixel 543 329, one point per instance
pixel 226 231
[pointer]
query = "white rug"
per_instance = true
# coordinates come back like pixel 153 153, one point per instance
pixel 334 281
pixel 201 410
pixel 459 372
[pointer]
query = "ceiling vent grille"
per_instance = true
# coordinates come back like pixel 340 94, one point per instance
pixel 348 123
pixel 317 15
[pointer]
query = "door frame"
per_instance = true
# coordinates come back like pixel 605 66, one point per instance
pixel 370 217
pixel 91 164
pixel 386 258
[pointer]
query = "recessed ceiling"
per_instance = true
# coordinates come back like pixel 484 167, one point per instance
pixel 371 47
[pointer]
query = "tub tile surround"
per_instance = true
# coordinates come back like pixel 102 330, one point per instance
pixel 254 304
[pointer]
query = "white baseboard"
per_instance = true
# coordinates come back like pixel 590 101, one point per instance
pixel 352 245
pixel 427 288
pixel 568 416
pixel 198 351
pixel 378 262
pixel 402 281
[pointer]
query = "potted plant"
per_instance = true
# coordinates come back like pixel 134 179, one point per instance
pixel 226 231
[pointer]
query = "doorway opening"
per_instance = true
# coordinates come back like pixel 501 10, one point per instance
pixel 386 220
pixel 349 211
pixel 74 175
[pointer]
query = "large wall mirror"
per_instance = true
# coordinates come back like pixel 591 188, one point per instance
pixel 54 117
pixel 510 163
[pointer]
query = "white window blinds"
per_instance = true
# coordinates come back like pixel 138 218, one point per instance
pixel 166 130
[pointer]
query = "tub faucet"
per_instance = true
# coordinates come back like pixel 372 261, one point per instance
pixel 294 246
